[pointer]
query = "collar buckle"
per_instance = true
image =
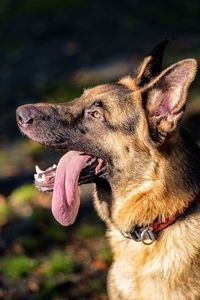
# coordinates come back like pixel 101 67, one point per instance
pixel 146 235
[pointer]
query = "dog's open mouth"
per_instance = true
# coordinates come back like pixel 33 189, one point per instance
pixel 74 168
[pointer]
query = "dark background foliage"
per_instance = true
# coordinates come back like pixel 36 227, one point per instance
pixel 49 51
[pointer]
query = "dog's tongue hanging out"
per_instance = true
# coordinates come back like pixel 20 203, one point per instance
pixel 66 198
pixel 74 168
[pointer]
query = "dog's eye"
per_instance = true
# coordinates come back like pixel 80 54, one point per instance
pixel 96 114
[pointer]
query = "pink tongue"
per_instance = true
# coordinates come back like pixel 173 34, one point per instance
pixel 66 199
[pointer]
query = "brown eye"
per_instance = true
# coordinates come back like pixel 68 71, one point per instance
pixel 96 114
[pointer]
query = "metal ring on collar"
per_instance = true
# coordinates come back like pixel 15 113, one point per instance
pixel 151 236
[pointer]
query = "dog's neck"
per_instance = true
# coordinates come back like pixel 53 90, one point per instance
pixel 177 186
pixel 151 232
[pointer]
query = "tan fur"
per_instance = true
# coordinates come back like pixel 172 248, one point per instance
pixel 169 269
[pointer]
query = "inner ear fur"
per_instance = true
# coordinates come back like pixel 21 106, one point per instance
pixel 165 98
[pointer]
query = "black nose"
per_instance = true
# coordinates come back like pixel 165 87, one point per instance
pixel 25 115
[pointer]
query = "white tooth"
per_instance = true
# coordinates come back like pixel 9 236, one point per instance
pixel 54 166
pixel 39 179
pixel 38 170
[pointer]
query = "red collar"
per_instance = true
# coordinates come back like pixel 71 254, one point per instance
pixel 157 226
pixel 149 234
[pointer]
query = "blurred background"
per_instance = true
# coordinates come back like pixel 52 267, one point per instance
pixel 49 51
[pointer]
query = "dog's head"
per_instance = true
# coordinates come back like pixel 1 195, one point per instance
pixel 114 130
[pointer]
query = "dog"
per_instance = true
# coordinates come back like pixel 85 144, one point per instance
pixel 127 138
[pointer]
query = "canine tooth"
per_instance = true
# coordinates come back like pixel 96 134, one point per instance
pixel 54 166
pixel 38 170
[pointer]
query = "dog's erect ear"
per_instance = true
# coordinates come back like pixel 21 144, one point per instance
pixel 151 65
pixel 165 98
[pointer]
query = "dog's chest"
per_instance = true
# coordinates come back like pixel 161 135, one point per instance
pixel 154 272
pixel 145 282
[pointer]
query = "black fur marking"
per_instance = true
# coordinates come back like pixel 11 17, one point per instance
pixel 104 193
pixel 130 125
pixel 110 126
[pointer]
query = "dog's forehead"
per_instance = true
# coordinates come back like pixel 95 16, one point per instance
pixel 106 90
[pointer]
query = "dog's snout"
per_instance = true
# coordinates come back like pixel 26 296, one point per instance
pixel 25 115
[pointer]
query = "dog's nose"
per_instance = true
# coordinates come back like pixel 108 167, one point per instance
pixel 24 115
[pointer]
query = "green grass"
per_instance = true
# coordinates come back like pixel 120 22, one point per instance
pixel 106 254
pixel 5 212
pixel 60 263
pixel 95 285
pixel 87 231
pixel 22 195
pixel 56 233
pixel 16 267
pixel 29 147
pixel 29 243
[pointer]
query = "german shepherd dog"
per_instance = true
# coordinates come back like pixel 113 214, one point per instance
pixel 127 138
